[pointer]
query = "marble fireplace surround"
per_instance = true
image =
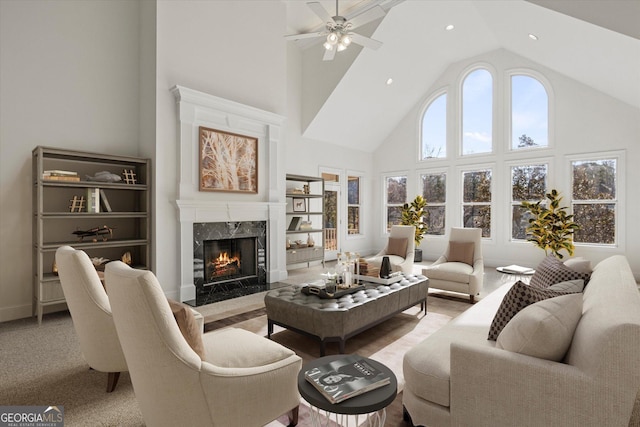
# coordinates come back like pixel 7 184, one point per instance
pixel 197 109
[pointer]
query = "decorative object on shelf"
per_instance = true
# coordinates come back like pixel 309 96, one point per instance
pixel 550 228
pixel 305 225
pixel 129 176
pixel 104 176
pixel 299 205
pixel 104 202
pixel 385 268
pixel 295 223
pixel 228 161
pixel 288 243
pixel 99 263
pixel 93 200
pixel 77 204
pixel 105 231
pixel 54 268
pixel 310 241
pixel 60 175
pixel 413 214
pixel 305 189
pixel 126 258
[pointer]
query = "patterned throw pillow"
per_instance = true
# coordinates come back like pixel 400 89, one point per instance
pixel 551 271
pixel 518 297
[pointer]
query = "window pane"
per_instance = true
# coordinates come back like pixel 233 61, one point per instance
pixel 434 129
pixel 597 223
pixel 434 187
pixel 528 182
pixel 478 217
pixel 477 112
pixel 594 180
pixel 477 187
pixel 394 215
pixel 435 217
pixel 330 209
pixel 520 221
pixel 529 113
pixel 396 189
pixel 353 220
pixel 353 190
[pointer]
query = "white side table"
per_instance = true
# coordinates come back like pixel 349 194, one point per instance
pixel 508 274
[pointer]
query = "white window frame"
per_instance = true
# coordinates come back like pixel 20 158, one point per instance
pixel 619 201
pixel 361 204
pixel 438 171
pixel 462 204
pixel 385 205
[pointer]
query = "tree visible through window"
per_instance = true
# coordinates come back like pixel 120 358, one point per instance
pixel 477 112
pixel 434 129
pixel 529 113
pixel 396 196
pixel 528 183
pixel 476 200
pixel 353 205
pixel 595 200
pixel 434 190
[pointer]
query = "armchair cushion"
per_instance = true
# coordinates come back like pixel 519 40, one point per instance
pixel 544 329
pixel 461 252
pixel 451 271
pixel 551 271
pixel 518 297
pixel 397 246
pixel 188 325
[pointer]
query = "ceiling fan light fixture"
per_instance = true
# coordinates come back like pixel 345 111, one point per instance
pixel 341 47
pixel 327 45
pixel 332 38
pixel 345 40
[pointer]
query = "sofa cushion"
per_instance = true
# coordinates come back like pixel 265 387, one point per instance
pixel 544 329
pixel 519 296
pixel 397 246
pixel 551 271
pixel 568 286
pixel 461 252
pixel 450 271
pixel 191 330
pixel 579 264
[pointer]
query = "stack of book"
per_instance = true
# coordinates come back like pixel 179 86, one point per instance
pixel 346 377
pixel 517 269
pixel 60 175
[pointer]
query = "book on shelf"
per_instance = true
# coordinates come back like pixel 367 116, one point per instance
pixel 58 172
pixel 295 223
pixel 93 200
pixel 104 201
pixel 347 377
pixel 60 178
pixel 517 269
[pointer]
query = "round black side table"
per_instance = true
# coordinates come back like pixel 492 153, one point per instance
pixel 372 404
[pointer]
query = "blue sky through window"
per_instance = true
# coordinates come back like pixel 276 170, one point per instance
pixel 434 129
pixel 477 112
pixel 529 111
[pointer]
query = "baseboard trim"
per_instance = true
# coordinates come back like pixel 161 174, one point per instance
pixel 13 313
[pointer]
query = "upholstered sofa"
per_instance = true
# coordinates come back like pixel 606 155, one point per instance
pixel 457 377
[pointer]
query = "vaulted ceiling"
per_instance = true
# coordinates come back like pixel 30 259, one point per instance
pixel 595 42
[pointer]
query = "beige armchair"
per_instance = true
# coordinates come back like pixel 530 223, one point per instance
pixel 242 380
pixel 461 268
pixel 400 249
pixel 91 313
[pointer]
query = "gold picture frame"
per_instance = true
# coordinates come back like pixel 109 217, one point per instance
pixel 227 161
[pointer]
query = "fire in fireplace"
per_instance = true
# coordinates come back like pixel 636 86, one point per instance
pixel 229 259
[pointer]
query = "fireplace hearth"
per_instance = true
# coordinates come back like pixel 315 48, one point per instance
pixel 229 260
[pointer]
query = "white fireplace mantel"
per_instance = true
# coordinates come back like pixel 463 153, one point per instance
pixel 197 109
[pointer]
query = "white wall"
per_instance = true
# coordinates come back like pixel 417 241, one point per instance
pixel 586 121
pixel 69 79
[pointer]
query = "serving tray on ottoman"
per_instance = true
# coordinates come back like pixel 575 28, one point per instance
pixel 322 292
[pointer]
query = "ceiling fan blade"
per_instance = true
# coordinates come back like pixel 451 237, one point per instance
pixel 304 35
pixel 329 54
pixel 368 16
pixel 365 41
pixel 320 11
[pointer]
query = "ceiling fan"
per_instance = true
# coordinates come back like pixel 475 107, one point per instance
pixel 338 30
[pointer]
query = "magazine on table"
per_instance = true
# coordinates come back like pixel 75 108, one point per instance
pixel 346 377
pixel 517 269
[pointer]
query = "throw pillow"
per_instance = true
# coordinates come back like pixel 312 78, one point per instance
pixel 579 264
pixel 568 286
pixel 461 252
pixel 544 329
pixel 188 326
pixel 518 297
pixel 551 271
pixel 397 246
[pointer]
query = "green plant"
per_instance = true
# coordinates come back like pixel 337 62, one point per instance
pixel 551 228
pixel 412 214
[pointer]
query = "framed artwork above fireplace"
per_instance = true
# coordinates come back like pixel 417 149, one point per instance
pixel 228 161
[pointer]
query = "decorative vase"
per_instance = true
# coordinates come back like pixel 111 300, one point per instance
pixel 417 256
pixel 385 268
pixel 310 242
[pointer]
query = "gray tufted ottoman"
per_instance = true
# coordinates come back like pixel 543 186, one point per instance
pixel 342 318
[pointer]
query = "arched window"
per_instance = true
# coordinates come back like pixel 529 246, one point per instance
pixel 477 112
pixel 434 129
pixel 529 113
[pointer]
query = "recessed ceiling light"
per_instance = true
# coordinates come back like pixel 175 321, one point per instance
pixel 389 81
pixel 449 27
pixel 533 36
